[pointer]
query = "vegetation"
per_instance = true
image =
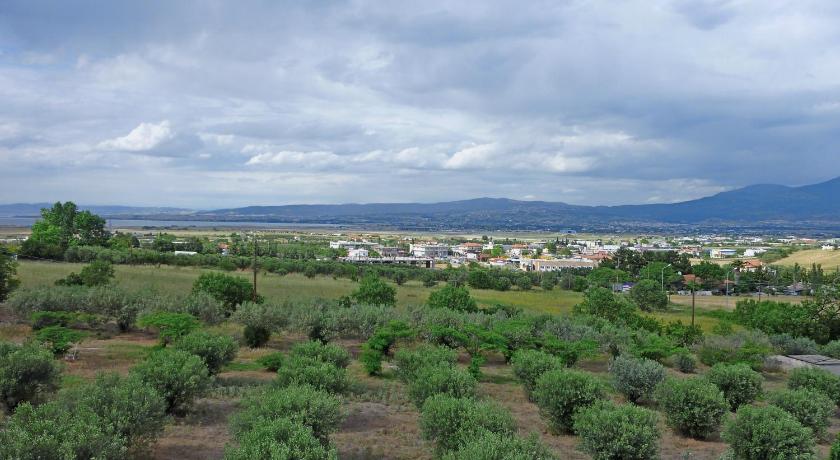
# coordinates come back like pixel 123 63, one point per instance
pixel 609 431
pixel 738 382
pixel 374 291
pixel 768 432
pixel 230 290
pixel 8 270
pixel 437 379
pixel 808 407
pixel 649 296
pixel 170 326
pixel 817 380
pixel 636 378
pixel 692 406
pixel 178 376
pixel 305 405
pixel 488 445
pixel 411 361
pixel 215 350
pixel 530 365
pixel 27 374
pixel 560 394
pixel 318 374
pixel 96 273
pixel 452 297
pixel 451 422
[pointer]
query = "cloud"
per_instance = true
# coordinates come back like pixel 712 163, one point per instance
pixel 145 137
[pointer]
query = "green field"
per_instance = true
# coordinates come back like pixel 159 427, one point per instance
pixel 830 260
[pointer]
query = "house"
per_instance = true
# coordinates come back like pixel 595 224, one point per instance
pixel 721 253
pixel 828 247
pixel 429 250
pixel 341 244
pixel 469 248
pixel 543 265
pixel 751 265
pixel 516 250
pixel 754 252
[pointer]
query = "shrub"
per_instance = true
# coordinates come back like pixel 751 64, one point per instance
pixel 51 431
pixel 134 410
pixel 815 379
pixel 260 320
pixel 739 384
pixel 561 393
pixel 320 375
pixel 170 326
pixel 835 449
pixel 685 362
pixel 281 439
pixel 452 297
pixel 410 361
pixel 786 344
pixel 493 446
pixel 530 365
pixel 768 432
pixel 215 350
pixel 27 373
pixel 450 422
pixel 375 291
pixel 609 431
pixel 810 408
pixel 380 343
pixel 58 339
pixel 178 376
pixel 228 289
pixel 636 378
pixel 316 409
pixel 447 380
pixel 693 406
pixel 203 306
pixel 272 361
pixel 42 319
pixel 96 273
pixel 256 336
pixel 648 295
pixel 328 353
pixel 832 349
pixel 744 347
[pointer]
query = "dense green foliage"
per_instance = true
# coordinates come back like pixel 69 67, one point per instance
pixel 96 273
pixel 530 365
pixel 410 361
pixel 373 290
pixel 450 422
pixel 328 353
pixel 765 433
pixel 58 339
pixel 318 374
pixel 494 446
pixel 305 405
pixel 816 379
pixel 214 349
pixel 743 347
pixel 452 297
pixel 380 344
pixel 560 394
pixel 437 379
pixel 738 382
pixel 178 376
pixel 230 290
pixel 636 378
pixel 692 406
pixel 279 439
pixel 649 296
pixel 170 326
pixel 27 374
pixel 8 270
pixel 810 408
pixel 611 432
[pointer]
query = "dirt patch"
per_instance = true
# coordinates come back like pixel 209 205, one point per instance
pixel 378 431
pixel 200 435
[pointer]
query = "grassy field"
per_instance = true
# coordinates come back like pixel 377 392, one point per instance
pixel 830 260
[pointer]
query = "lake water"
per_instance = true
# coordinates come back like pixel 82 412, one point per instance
pixel 123 223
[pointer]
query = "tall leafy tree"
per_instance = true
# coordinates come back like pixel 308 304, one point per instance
pixel 374 291
pixel 8 269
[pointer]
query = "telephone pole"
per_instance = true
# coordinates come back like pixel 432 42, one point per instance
pixel 254 266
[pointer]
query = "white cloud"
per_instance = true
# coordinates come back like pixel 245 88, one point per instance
pixel 144 137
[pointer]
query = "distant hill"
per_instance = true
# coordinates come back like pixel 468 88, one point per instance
pixel 758 207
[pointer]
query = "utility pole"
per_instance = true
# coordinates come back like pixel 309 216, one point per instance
pixel 254 266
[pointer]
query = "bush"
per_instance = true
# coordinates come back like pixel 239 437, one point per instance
pixel 744 347
pixel 170 326
pixel 328 353
pixel 560 394
pixel 215 350
pixel 410 361
pixel 58 339
pixel 452 297
pixel 648 295
pixel 450 422
pixel 134 410
pixel 256 336
pixel 272 361
pixel 835 449
pixel 320 375
pixel 815 379
pixel 260 320
pixel 636 378
pixel 316 409
pixel 786 344
pixel 739 384
pixel 42 319
pixel 279 439
pixel 493 446
pixel 204 306
pixel 178 376
pixel 530 365
pixel 380 343
pixel 832 349
pixel 96 273
pixel 609 431
pixel 228 289
pixel 446 380
pixel 685 362
pixel 51 431
pixel 27 373
pixel 693 406
pixel 768 432
pixel 808 407
pixel 373 290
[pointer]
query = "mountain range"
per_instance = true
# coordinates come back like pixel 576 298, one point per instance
pixel 756 206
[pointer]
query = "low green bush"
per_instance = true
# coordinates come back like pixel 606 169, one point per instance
pixel 58 339
pixel 835 449
pixel 768 433
pixel 692 406
pixel 560 394
pixel 256 336
pixel 380 343
pixel 685 362
pixel 272 361
pixel 743 347
pixel 316 409
pixel 410 360
pixel 636 378
pixel 738 382
pixel 279 438
pixel 810 408
pixel 815 379
pixel 446 380
pixel 180 377
pixel 530 365
pixel 42 319
pixel 214 349
pixel 27 373
pixel 832 349
pixel 493 446
pixel 318 374
pixel 170 326
pixel 203 306
pixel 786 344
pixel 450 422
pixel 329 353
pixel 608 431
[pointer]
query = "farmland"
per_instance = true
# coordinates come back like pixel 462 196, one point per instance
pixel 830 260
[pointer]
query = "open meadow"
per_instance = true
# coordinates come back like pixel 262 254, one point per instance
pixel 830 260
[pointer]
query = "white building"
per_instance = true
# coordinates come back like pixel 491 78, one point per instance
pixel 543 265
pixel 351 244
pixel 432 251
pixel 721 253
pixel 357 254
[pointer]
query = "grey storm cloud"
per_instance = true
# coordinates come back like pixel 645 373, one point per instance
pixel 216 104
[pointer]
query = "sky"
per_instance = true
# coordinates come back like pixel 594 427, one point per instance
pixel 212 104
